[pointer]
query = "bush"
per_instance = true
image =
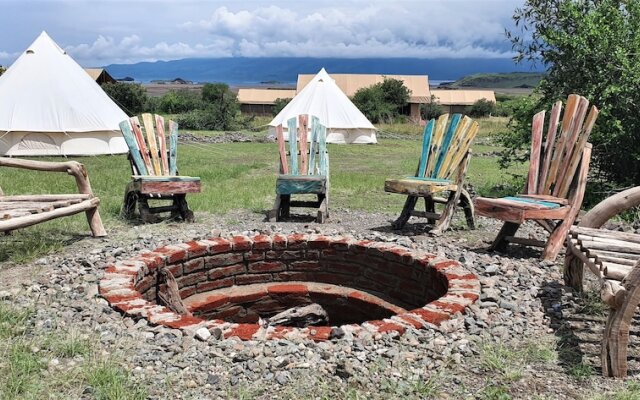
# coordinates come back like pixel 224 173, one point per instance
pixel 179 101
pixel 431 110
pixel 131 97
pixel 482 108
pixel 382 102
pixel 279 104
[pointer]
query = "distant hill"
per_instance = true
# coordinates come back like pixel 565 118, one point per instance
pixel 246 71
pixel 511 80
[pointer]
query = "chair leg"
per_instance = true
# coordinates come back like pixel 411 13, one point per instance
pixel 185 212
pixel 556 240
pixel 500 243
pixel 573 271
pixel 447 213
pixel 323 212
pixel 430 206
pixel 129 204
pixel 273 213
pixel 145 212
pixel 285 207
pixel 467 206
pixel 409 205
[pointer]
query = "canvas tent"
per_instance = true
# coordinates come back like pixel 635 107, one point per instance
pixel 324 99
pixel 50 106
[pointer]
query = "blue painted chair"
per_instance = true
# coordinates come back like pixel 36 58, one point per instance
pixel 442 168
pixel 304 168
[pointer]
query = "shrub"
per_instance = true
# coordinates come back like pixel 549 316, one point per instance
pixel 383 101
pixel 279 104
pixel 432 109
pixel 179 101
pixel 482 108
pixel 131 97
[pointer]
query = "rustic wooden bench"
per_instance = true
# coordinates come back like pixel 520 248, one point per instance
pixel 614 258
pixel 25 210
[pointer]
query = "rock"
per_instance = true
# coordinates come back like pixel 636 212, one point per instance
pixel 492 269
pixel 282 377
pixel 203 334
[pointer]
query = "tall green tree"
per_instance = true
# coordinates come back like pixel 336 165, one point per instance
pixel 590 47
pixel 131 97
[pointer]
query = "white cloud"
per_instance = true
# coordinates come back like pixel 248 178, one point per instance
pixel 257 28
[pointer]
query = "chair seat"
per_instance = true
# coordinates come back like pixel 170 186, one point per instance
pixel 416 186
pixel 300 184
pixel 166 185
pixel 519 209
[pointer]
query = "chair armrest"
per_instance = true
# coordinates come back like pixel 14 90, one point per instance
pixel 74 168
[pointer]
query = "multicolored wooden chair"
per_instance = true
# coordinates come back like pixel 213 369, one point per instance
pixel 442 168
pixel 154 169
pixel 304 168
pixel 556 181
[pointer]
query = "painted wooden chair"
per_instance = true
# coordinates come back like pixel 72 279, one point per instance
pixel 304 168
pixel 442 168
pixel 556 181
pixel 154 168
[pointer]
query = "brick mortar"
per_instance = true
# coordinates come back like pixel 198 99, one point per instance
pixel 272 258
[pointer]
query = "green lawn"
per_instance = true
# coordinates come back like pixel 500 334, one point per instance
pixel 235 176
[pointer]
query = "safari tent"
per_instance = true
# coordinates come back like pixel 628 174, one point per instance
pixel 50 106
pixel 323 98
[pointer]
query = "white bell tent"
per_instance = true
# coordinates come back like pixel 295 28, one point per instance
pixel 324 99
pixel 50 106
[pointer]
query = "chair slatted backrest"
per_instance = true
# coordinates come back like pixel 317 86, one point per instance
pixel 304 157
pixel 148 145
pixel 444 144
pixel 553 166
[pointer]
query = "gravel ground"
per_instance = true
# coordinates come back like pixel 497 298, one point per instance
pixel 527 336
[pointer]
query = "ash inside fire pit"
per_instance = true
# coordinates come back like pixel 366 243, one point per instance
pixel 241 283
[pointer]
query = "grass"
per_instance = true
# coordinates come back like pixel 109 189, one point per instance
pixel 27 371
pixel 234 176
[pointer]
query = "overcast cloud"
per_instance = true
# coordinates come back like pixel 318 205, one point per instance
pixel 110 31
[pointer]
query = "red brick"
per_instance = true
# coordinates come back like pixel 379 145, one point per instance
pixel 467 277
pixel 340 244
pixel 297 241
pixel 152 259
pixel 305 266
pixel 411 321
pixel 280 332
pixel 279 241
pixel 209 303
pixel 227 271
pixel 384 327
pixel 176 270
pixel 292 255
pixel 196 249
pixel 212 285
pixel 319 333
pixel 174 254
pixel 468 295
pixel 432 317
pixel 193 265
pixel 225 314
pixel 113 299
pixel 265 266
pixel 255 278
pixel 360 246
pixel 220 260
pixel 243 331
pixel 254 256
pixel 112 269
pixel 241 243
pixel 335 279
pixel 387 279
pixel 185 320
pixel 192 279
pixel 291 276
pixel 332 254
pixel 146 283
pixel 312 255
pixel 247 297
pixel 344 268
pixel 262 242
pixel 187 291
pixel 440 265
pixel 288 289
pixel 398 254
pixel 218 245
pixel 451 307
pixel 318 242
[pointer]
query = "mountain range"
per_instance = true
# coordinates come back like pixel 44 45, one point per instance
pixel 285 70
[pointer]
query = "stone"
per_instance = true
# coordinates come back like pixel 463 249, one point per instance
pixel 203 334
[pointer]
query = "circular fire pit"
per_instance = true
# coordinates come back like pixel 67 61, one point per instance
pixel 238 284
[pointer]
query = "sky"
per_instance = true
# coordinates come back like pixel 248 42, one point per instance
pixel 102 32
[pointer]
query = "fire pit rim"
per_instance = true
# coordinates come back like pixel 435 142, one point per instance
pixel 118 286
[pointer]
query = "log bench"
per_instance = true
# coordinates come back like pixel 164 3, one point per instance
pixel 18 212
pixel 614 258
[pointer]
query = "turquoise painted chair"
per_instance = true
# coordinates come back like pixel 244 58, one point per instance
pixel 442 168
pixel 154 170
pixel 304 168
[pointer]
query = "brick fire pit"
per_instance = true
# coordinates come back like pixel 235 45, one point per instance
pixel 231 283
